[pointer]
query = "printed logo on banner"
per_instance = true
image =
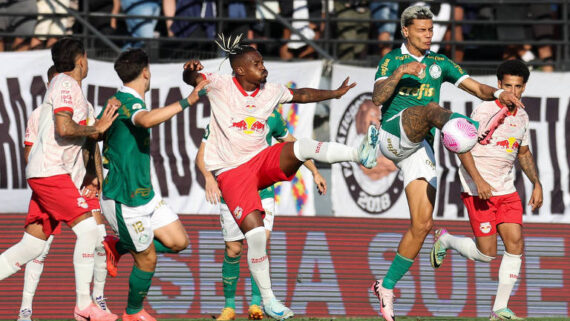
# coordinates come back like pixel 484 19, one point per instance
pixel 374 190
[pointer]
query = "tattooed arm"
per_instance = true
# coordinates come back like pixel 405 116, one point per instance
pixel 65 126
pixel 384 89
pixel 529 168
pixel 310 95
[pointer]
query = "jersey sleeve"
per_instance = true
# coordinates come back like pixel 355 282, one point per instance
pixel 214 79
pixel 206 133
pixel 386 67
pixel 277 125
pixel 453 73
pixel 64 95
pixel 526 139
pixel 286 94
pixel 32 127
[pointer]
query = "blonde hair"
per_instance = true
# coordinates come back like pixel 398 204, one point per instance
pixel 414 12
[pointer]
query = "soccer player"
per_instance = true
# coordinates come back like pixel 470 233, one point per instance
pixel 143 221
pixel 233 237
pixel 407 86
pixel 237 150
pixel 489 194
pixel 51 165
pixel 35 267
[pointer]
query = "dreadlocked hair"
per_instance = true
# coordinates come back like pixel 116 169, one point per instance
pixel 234 47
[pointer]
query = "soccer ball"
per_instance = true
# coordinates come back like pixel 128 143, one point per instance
pixel 459 135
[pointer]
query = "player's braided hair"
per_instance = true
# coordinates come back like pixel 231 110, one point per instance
pixel 233 46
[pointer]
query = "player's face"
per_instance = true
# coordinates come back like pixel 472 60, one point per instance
pixel 513 84
pixel 254 69
pixel 419 34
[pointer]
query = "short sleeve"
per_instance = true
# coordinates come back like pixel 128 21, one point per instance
pixel 213 78
pixel 526 139
pixel 32 127
pixel 386 67
pixel 453 73
pixel 286 94
pixel 64 96
pixel 277 125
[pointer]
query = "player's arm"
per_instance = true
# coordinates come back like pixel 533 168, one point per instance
pixel 384 88
pixel 191 75
pixel 484 190
pixel 154 117
pixel 65 126
pixel 486 92
pixel 27 150
pixel 320 182
pixel 311 95
pixel 529 168
pixel 213 192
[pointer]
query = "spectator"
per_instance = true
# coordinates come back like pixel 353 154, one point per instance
pixel 195 29
pixel 169 10
pixel 352 30
pixel 23 25
pixel 303 10
pixel 241 10
pixel 137 27
pixel 380 10
pixel 458 15
pixel 53 26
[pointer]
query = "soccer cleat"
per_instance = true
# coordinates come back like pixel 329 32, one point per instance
pixel 254 312
pixel 504 314
pixel 25 315
pixel 492 124
pixel 227 314
pixel 277 310
pixel 93 313
pixel 142 315
pixel 113 257
pixel 368 149
pixel 438 252
pixel 101 302
pixel 386 298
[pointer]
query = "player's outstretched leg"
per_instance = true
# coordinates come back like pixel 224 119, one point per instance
pixel 465 246
pixel 19 254
pixel 230 278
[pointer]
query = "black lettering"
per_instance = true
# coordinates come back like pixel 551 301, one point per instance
pixel 37 91
pixel 157 158
pixel 6 140
pixel 556 195
pixel 21 116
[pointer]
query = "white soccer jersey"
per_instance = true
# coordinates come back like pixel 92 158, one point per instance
pixel 238 125
pixel 51 154
pixel 32 127
pixel 495 161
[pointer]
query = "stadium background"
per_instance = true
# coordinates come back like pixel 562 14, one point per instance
pixel 325 249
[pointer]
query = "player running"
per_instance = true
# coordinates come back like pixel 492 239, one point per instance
pixel 231 232
pixel 487 175
pixel 407 86
pixel 143 221
pixel 55 171
pixel 237 150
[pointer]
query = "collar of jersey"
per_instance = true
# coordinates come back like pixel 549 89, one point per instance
pixel 508 113
pixel 405 51
pixel 129 90
pixel 242 91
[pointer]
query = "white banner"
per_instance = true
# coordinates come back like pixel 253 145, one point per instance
pixel 378 192
pixel 174 144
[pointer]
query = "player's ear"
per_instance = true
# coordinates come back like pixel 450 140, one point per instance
pixel 405 32
pixel 146 72
pixel 239 70
pixel 499 84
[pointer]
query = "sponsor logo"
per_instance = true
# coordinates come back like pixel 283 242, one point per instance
pixel 143 238
pixel 249 125
pixel 318 147
pixel 425 90
pixel 259 260
pixel 238 212
pixel 82 203
pixel 384 67
pixel 510 144
pixel 434 71
pixel 485 227
pixel 391 147
pixel 66 84
pixel 143 192
pixel 137 106
pixel 514 276
pixel 88 255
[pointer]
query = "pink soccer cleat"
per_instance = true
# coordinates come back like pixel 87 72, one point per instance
pixel 93 313
pixel 386 298
pixel 492 125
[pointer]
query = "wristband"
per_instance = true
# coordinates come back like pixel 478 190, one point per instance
pixel 202 92
pixel 184 103
pixel 498 93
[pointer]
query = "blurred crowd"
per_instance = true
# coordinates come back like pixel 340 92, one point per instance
pixel 307 18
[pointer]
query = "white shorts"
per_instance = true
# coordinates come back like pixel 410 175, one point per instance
pixel 416 160
pixel 230 228
pixel 135 225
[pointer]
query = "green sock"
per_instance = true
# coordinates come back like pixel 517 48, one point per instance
pixel 399 267
pixel 456 115
pixel 139 283
pixel 161 248
pixel 230 277
pixel 255 294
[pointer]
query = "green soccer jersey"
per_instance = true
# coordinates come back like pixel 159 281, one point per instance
pixel 411 90
pixel 126 153
pixel 277 129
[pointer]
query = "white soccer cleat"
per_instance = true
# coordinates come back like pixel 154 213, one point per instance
pixel 101 302
pixel 504 314
pixel 386 298
pixel 368 149
pixel 277 310
pixel 25 314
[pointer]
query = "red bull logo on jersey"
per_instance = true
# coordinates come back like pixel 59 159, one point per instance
pixel 249 125
pixel 425 90
pixel 510 145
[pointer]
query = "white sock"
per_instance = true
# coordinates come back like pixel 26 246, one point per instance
pixel 100 270
pixel 19 254
pixel 83 259
pixel 258 261
pixel 508 275
pixel 465 246
pixel 34 270
pixel 329 152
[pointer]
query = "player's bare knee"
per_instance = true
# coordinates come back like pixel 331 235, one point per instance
pixel 233 249
pixel 180 244
pixel 422 228
pixel 146 260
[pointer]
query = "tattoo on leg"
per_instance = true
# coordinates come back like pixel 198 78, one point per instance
pixel 418 120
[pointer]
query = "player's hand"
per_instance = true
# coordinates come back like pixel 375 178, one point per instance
pixel 193 65
pixel 414 68
pixel 198 92
pixel 90 188
pixel 109 115
pixel 320 182
pixel 510 100
pixel 536 197
pixel 213 192
pixel 340 91
pixel 484 190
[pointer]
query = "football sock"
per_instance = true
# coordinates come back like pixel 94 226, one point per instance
pixel 508 275
pixel 259 262
pixel 255 294
pixel 399 267
pixel 122 248
pixel 329 152
pixel 19 254
pixel 230 277
pixel 83 259
pixel 161 248
pixel 464 246
pixel 457 115
pixel 139 283
pixel 34 270
pixel 100 270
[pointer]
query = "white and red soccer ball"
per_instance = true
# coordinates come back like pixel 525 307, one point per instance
pixel 459 135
